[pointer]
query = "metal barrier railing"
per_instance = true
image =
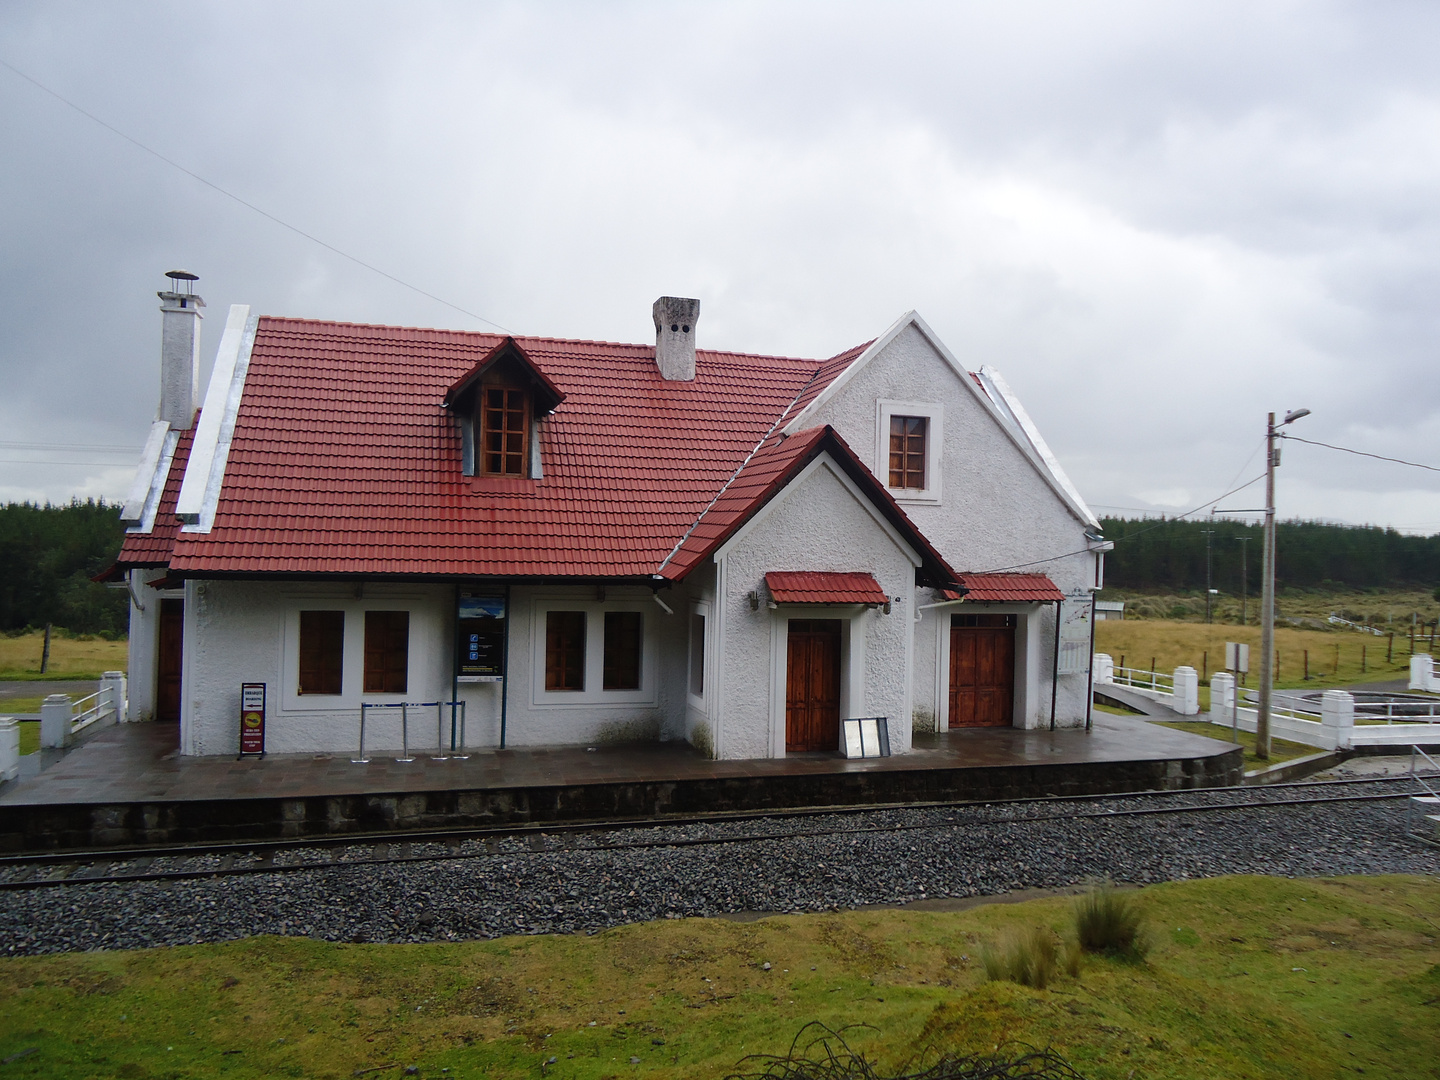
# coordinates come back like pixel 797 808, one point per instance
pixel 1157 681
pixel 1414 808
pixel 457 728
pixel 83 713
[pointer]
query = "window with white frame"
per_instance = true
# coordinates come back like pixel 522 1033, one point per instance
pixel 593 652
pixel 908 448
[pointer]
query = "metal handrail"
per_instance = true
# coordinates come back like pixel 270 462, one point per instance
pixel 405 707
pixel 1152 680
pixel 90 715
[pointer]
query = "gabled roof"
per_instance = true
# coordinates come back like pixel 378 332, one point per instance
pixel 154 548
pixel 821 587
pixel 549 394
pixel 344 460
pixel 778 461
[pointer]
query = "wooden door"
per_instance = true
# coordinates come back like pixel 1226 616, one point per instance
pixel 982 671
pixel 812 685
pixel 172 634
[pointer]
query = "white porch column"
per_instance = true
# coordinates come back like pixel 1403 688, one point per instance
pixel 114 681
pixel 1187 691
pixel 1337 713
pixel 1422 672
pixel 9 748
pixel 1222 697
pixel 1103 665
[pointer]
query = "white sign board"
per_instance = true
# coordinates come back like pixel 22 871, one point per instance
pixel 1076 614
pixel 1237 656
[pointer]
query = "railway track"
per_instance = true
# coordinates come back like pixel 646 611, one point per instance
pixel 177 863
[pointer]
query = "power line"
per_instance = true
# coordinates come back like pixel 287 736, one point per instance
pixel 1361 453
pixel 248 205
pixel 110 448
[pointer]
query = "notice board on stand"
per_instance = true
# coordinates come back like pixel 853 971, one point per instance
pixel 480 636
pixel 252 719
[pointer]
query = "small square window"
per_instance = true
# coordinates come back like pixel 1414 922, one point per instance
pixel 623 635
pixel 907 451
pixel 387 651
pixel 565 650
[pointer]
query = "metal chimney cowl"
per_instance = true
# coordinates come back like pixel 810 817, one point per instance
pixel 180 351
pixel 675 318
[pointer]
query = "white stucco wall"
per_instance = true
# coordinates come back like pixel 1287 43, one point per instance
pixel 143 646
pixel 819 522
pixel 993 511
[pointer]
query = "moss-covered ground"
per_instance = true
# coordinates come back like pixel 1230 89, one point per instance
pixel 1246 977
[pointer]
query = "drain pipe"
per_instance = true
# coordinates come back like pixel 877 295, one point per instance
pixel 1090 670
pixel 505 669
pixel 1055 674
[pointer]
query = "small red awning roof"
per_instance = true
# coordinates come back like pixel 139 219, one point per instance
pixel 1006 587
pixel 816 587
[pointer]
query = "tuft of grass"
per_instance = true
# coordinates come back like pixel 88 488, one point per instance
pixel 1028 957
pixel 1111 923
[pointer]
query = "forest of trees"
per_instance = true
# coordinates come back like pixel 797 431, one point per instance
pixel 1170 554
pixel 47 556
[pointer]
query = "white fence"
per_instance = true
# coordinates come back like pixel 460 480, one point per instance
pixel 1179 691
pixel 1333 726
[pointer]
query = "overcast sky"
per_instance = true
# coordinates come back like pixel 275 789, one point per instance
pixel 1159 221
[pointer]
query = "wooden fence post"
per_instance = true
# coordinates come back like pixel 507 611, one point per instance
pixel 45 653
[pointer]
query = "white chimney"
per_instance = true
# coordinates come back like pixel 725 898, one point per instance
pixel 180 350
pixel 675 319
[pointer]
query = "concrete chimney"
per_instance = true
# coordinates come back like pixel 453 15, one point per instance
pixel 675 319
pixel 180 350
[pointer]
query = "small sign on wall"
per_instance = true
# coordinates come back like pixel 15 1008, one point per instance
pixel 252 718
pixel 480 636
pixel 1076 615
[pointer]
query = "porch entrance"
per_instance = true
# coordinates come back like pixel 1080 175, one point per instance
pixel 812 685
pixel 167 681
pixel 982 670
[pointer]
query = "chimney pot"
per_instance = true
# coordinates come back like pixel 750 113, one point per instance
pixel 675 318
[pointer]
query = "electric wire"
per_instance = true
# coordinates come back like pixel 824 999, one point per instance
pixel 248 205
pixel 1360 453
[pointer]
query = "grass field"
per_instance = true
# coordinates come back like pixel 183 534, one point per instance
pixel 70 658
pixel 1172 642
pixel 1280 749
pixel 1246 977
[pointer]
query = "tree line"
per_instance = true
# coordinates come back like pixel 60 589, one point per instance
pixel 47 557
pixel 1171 554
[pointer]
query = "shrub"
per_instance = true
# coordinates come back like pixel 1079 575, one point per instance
pixel 1110 922
pixel 1029 958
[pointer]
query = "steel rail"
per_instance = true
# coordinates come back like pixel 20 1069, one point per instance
pixel 268 866
pixel 471 832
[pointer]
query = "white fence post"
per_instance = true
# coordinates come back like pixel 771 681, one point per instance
pixel 1187 691
pixel 9 748
pixel 1103 666
pixel 1422 672
pixel 114 681
pixel 1337 714
pixel 55 720
pixel 1222 697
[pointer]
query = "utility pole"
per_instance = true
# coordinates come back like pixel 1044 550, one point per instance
pixel 1208 564
pixel 1267 595
pixel 1244 576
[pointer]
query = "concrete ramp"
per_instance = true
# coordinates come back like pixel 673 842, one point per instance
pixel 1125 698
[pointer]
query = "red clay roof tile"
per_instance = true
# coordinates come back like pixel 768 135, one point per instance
pixel 1013 587
pixel 820 587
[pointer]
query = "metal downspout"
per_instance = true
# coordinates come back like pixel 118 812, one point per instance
pixel 1055 673
pixel 505 670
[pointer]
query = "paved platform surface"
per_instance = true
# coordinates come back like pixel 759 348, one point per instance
pixel 139 762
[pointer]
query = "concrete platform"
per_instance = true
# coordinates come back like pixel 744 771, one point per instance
pixel 128 785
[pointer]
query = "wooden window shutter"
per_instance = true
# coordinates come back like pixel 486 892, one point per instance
pixel 387 651
pixel 322 651
pixel 907 451
pixel 623 637
pixel 565 650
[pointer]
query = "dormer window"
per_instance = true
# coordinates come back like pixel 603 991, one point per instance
pixel 498 405
pixel 504 431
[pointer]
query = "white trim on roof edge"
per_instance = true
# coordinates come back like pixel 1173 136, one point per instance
pixel 133 512
pixel 1018 437
pixel 210 452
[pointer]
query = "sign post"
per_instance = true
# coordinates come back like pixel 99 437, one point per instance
pixel 252 719
pixel 1237 659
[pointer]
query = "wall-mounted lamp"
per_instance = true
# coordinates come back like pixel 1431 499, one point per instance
pixel 754 600
pixel 886 608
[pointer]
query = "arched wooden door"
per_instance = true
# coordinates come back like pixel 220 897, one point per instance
pixel 982 670
pixel 812 685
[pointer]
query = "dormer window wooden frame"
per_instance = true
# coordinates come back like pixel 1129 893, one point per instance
pixel 498 404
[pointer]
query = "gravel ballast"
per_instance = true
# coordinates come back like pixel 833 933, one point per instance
pixel 577 883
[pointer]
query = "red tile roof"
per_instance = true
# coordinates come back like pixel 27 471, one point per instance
pixel 773 466
pixel 1012 587
pixel 153 548
pixel 818 587
pixel 344 460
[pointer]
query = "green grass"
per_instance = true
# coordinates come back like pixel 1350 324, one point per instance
pixel 80 657
pixel 1247 977
pixel 1280 749
pixel 29 737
